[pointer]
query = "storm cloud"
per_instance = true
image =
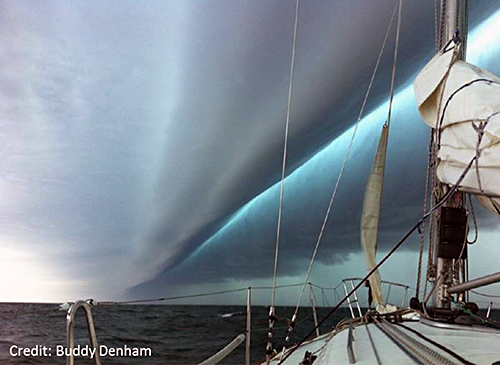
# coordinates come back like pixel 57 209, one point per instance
pixel 142 144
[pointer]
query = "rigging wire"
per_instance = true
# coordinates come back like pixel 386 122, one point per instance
pixel 178 297
pixel 394 65
pixel 480 133
pixel 436 25
pixel 282 186
pixel 325 298
pixel 202 294
pixel 435 142
pixel 445 198
pixel 484 295
pixel 441 23
pixel 453 266
pixel 334 193
pixel 285 148
pixel 422 233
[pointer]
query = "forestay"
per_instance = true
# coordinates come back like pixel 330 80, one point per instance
pixel 469 97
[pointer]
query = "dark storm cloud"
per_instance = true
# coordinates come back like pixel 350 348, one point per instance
pixel 243 249
pixel 225 146
pixel 133 133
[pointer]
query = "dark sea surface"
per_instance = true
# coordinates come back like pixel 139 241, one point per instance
pixel 176 334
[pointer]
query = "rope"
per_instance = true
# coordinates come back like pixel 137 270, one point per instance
pixel 282 186
pixel 454 266
pixel 334 193
pixel 431 271
pixel 422 234
pixel 480 133
pixel 469 312
pixel 356 287
pixel 445 197
pixel 474 221
pixel 440 129
pixel 485 295
pixel 432 291
pixel 457 262
pixel 480 129
pixel 439 120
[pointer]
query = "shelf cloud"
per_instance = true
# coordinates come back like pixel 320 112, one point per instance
pixel 142 145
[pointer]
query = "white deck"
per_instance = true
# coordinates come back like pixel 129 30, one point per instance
pixel 475 344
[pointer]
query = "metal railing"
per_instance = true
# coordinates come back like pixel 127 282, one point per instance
pixel 87 307
pixel 350 301
pixel 70 331
pixel 355 299
pixel 476 283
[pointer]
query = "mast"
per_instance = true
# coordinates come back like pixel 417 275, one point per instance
pixel 453 19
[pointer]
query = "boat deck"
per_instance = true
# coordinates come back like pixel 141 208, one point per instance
pixel 410 342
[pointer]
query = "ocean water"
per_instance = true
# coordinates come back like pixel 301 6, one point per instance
pixel 175 334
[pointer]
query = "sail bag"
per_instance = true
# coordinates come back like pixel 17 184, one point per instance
pixel 462 102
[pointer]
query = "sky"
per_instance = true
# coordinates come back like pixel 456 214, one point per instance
pixel 141 145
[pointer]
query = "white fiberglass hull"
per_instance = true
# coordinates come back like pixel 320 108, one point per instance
pixel 409 342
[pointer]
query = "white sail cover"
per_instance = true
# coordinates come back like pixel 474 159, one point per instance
pixel 371 215
pixel 468 95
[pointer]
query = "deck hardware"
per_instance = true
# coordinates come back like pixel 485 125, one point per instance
pixel 350 350
pixel 315 317
pixel 476 283
pixel 353 301
pixel 388 294
pixel 488 312
pixel 249 325
pixel 70 330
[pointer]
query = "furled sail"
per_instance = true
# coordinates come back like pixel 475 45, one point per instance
pixel 371 215
pixel 462 102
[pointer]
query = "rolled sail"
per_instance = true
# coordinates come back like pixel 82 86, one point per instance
pixel 371 214
pixel 462 102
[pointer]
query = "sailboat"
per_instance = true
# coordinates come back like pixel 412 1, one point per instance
pixel 461 104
